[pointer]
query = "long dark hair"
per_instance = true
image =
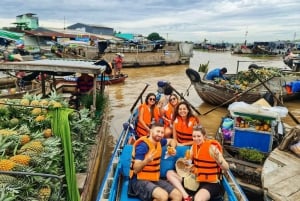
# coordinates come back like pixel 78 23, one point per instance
pixel 189 114
pixel 152 106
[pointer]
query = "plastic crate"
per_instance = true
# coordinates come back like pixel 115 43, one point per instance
pixel 262 141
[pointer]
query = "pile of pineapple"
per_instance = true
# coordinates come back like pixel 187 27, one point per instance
pixel 28 145
pixel 245 79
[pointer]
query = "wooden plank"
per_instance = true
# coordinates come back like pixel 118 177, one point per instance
pixel 281 176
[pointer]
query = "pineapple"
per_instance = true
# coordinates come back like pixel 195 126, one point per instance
pixel 21 159
pixel 47 132
pixel 7 132
pixel 36 111
pixel 35 103
pixel 24 139
pixel 44 102
pixel 44 193
pixel 24 102
pixel 4 178
pixel 40 118
pixel 6 165
pixel 35 146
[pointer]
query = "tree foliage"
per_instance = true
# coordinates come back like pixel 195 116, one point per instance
pixel 154 36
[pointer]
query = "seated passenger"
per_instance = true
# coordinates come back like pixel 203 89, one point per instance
pixel 145 181
pixel 145 115
pixel 183 122
pixel 207 163
pixel 216 73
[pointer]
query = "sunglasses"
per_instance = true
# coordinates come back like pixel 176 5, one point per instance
pixel 172 99
pixel 151 99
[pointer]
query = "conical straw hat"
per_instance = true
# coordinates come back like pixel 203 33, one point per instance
pixel 181 168
pixel 190 182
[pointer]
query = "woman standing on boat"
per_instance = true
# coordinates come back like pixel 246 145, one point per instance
pixel 118 64
pixel 168 113
pixel 145 115
pixel 183 122
pixel 207 165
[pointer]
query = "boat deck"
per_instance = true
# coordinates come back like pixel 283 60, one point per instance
pixel 281 176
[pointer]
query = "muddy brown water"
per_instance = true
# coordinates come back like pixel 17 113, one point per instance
pixel 122 96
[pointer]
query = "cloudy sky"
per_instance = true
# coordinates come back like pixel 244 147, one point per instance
pixel 185 20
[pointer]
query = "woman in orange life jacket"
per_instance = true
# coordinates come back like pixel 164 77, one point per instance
pixel 183 122
pixel 168 113
pixel 145 115
pixel 207 165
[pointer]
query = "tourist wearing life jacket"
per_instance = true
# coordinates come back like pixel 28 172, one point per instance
pixel 183 122
pixel 145 182
pixel 145 115
pixel 168 114
pixel 207 165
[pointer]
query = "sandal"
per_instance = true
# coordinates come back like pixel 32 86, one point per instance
pixel 189 198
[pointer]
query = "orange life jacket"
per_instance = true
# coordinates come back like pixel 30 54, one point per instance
pixel 147 117
pixel 206 167
pixel 168 112
pixel 184 132
pixel 157 114
pixel 150 171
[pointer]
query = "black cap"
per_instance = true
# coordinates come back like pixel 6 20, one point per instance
pixel 224 70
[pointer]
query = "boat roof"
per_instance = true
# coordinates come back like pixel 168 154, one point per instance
pixel 54 65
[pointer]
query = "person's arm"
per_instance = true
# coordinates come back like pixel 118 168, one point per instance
pixel 217 155
pixel 142 159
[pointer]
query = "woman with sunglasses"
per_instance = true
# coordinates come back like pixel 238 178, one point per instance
pixel 168 113
pixel 145 115
pixel 183 122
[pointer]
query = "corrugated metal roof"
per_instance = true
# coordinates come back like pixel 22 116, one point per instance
pixel 52 65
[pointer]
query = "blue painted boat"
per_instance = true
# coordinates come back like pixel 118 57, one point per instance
pixel 115 182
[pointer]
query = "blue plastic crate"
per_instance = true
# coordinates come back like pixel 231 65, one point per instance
pixel 261 141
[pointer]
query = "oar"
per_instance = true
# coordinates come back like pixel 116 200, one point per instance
pixel 277 99
pixel 238 95
pixel 139 97
pixel 187 90
pixel 181 96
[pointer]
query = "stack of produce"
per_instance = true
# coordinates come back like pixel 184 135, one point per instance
pixel 28 145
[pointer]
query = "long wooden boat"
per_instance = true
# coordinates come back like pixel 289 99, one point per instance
pixel 248 135
pixel 218 94
pixel 281 173
pixel 114 185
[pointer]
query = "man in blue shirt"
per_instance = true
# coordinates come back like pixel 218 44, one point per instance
pixel 216 73
pixel 145 181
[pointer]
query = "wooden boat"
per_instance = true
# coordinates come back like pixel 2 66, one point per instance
pixel 281 173
pixel 223 94
pixel 114 185
pixel 248 136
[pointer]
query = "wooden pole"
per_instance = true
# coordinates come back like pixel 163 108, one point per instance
pixel 139 97
pixel 275 97
pixel 181 96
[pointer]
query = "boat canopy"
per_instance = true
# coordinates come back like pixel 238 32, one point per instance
pixel 54 65
pixel 10 35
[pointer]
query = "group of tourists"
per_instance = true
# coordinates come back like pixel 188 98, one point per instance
pixel 171 122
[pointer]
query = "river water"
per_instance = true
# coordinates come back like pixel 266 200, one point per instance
pixel 122 96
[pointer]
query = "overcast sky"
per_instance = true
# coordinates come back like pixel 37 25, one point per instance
pixel 184 20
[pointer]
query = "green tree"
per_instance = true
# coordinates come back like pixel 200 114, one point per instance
pixel 154 36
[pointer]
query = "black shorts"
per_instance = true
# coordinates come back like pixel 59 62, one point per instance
pixel 215 189
pixel 143 189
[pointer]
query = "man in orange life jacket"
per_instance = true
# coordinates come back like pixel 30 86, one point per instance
pixel 145 180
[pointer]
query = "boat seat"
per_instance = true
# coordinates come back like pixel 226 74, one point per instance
pixel 166 164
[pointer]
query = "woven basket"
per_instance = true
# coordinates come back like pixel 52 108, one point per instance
pixel 190 182
pixel 181 168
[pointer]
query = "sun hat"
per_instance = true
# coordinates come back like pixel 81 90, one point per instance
pixel 181 168
pixel 191 183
